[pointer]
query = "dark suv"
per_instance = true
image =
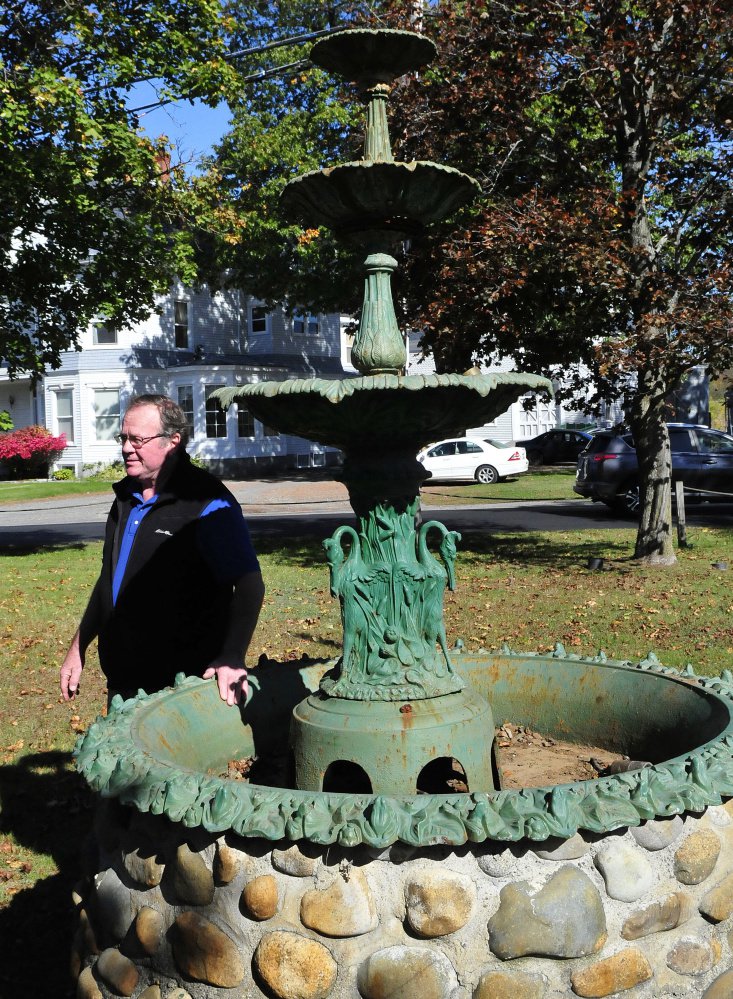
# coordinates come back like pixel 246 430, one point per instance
pixel 608 469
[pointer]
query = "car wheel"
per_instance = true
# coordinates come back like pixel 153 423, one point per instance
pixel 534 457
pixel 487 475
pixel 628 500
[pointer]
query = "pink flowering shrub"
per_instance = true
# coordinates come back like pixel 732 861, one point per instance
pixel 29 451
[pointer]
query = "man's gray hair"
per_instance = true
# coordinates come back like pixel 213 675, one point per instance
pixel 172 418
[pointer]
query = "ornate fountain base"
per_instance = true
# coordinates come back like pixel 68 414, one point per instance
pixel 391 747
pixel 207 887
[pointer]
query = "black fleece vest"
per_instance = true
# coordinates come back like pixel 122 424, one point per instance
pixel 171 613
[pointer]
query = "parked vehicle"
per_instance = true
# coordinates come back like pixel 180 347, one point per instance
pixel 608 469
pixel 485 461
pixel 556 446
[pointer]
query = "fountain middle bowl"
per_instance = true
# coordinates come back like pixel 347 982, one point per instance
pixel 365 195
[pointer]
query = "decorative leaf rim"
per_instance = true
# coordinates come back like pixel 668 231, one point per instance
pixel 375 412
pixel 336 390
pixel 114 765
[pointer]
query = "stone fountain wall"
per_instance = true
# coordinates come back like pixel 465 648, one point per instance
pixel 648 909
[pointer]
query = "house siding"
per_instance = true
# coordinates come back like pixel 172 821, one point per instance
pixel 221 351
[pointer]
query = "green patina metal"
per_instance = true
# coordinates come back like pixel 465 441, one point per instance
pixel 377 202
pixel 379 346
pixel 391 594
pixel 389 584
pixel 162 753
pixel 382 414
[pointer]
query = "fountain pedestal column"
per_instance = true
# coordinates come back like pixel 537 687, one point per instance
pixel 394 716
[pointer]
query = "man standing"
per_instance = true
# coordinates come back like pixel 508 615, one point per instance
pixel 180 588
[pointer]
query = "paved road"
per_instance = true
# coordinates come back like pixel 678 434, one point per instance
pixel 308 510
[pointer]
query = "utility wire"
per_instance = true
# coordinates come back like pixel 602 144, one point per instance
pixel 280 42
pixel 263 74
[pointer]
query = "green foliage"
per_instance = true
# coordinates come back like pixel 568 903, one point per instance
pixel 91 210
pixel 63 475
pixel 104 472
pixel 291 120
pixel 6 421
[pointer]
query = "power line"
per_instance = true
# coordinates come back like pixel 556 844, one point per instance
pixel 263 74
pixel 280 42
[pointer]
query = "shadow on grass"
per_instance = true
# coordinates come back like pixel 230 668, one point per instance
pixel 297 552
pixel 46 806
pixel 476 546
pixel 558 552
pixel 20 550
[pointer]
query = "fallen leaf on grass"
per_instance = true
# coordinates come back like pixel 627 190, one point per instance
pixel 20 865
pixel 15 746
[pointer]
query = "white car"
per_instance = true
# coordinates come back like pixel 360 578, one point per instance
pixel 485 461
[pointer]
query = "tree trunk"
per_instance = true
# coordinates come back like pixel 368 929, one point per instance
pixel 651 437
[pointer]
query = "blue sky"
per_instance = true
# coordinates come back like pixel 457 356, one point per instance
pixel 192 127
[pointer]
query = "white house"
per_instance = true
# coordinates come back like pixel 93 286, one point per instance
pixel 196 343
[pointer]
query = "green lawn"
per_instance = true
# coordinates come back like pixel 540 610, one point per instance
pixel 529 589
pixel 537 484
pixel 16 492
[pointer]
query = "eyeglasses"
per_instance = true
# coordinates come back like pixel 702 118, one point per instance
pixel 134 440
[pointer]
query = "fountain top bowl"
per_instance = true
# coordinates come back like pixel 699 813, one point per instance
pixel 368 56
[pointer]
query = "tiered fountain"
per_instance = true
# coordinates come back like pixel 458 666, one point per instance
pixel 359 879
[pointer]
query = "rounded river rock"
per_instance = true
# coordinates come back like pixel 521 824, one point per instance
pixel 406 973
pixel 564 919
pixel 205 953
pixel 294 967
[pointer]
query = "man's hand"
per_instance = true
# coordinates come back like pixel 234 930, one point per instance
pixel 70 672
pixel 232 682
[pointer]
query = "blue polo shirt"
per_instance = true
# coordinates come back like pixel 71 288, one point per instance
pixel 223 540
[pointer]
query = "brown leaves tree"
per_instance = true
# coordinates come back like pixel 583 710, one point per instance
pixel 601 131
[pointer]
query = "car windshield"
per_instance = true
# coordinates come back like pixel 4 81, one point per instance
pixel 490 440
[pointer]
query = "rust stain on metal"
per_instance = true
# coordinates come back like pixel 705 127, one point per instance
pixel 407 716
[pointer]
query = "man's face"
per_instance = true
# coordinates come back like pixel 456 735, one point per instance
pixel 145 462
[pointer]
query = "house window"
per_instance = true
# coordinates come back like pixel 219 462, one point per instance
pixel 216 418
pixel 105 334
pixel 185 401
pixel 305 324
pixel 258 319
pixel 180 324
pixel 65 414
pixel 106 413
pixel 245 421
